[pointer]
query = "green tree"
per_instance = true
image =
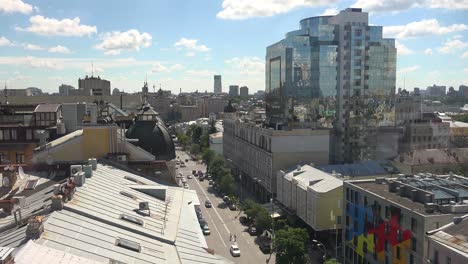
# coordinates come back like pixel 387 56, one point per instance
pixel 263 220
pixel 331 261
pixel 252 209
pixel 461 118
pixel 195 149
pixel 183 139
pixel 290 245
pixel 216 167
pixel 196 134
pixel 205 141
pixel 226 184
pixel 207 156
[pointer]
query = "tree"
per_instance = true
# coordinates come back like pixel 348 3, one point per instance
pixel 183 139
pixel 226 183
pixel 205 141
pixel 196 134
pixel 263 219
pixel 252 209
pixel 207 156
pixel 331 261
pixel 216 167
pixel 290 245
pixel 194 149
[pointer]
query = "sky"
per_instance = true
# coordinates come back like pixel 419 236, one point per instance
pixel 181 44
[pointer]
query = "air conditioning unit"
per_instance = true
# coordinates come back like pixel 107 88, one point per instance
pixel 88 170
pixel 143 206
pixel 80 179
pixel 122 158
pixel 20 201
pixel 74 169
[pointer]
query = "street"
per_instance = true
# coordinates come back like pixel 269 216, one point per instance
pixel 222 221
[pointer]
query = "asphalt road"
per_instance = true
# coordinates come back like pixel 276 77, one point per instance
pixel 222 221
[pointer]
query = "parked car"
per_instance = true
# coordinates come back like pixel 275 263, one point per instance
pixel 235 251
pixel 186 160
pixel 243 220
pixel 186 186
pixel 194 172
pixel 206 229
pixel 208 204
pixel 184 180
pixel 202 221
pixel 208 177
pixel 183 165
pixel 189 177
pixel 232 207
pixel 201 179
pixel 252 230
pixel 210 182
pixel 265 247
pixel 226 199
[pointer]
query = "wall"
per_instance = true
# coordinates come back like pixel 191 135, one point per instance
pixel 328 209
pixel 444 251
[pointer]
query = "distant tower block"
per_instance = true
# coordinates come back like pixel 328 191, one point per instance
pixel 217 84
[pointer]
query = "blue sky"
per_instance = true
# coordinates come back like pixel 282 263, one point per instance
pixel 182 43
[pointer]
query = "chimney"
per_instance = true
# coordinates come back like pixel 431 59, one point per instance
pixel 93 163
pixel 35 227
pixel 57 203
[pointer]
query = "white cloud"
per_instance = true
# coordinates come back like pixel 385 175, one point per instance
pixel 191 44
pixel 408 69
pixel 243 9
pixel 28 46
pixel 465 55
pixel 330 12
pixel 190 54
pixel 13 6
pixel 53 27
pixel 59 49
pixel 402 49
pixel 428 51
pixel 465 70
pixel 34 62
pixel 5 42
pixel 158 67
pixel 401 5
pixel 452 45
pixel 421 28
pixel 115 42
pixel 247 65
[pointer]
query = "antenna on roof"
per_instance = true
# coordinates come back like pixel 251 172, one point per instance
pixel 5 91
pixel 92 69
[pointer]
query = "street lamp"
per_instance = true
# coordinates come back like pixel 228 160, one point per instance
pixel 323 246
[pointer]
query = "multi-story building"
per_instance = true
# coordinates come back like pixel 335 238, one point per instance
pixel 436 90
pixel 386 219
pixel 94 86
pixel 244 91
pixel 408 107
pixel 463 90
pixel 216 142
pixel 449 244
pixel 65 89
pixel 233 90
pixel 258 152
pixel 313 195
pixel 333 63
pixel 218 88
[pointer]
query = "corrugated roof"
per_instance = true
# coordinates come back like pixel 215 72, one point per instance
pixel 91 222
pixel 46 108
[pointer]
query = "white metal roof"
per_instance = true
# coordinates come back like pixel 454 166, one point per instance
pixel 315 179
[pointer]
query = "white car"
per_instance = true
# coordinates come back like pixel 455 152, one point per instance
pixel 186 186
pixel 235 251
pixel 184 180
pixel 189 176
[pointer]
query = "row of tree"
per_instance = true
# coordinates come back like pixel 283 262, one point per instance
pixel 220 173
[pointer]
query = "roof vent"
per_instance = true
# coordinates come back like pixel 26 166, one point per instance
pixel 127 244
pixel 93 163
pixel 80 179
pixel 74 169
pixel 88 170
pixel 35 227
pixel 430 207
pixel 131 219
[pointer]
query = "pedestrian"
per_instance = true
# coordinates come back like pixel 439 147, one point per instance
pixel 235 238
pixel 230 237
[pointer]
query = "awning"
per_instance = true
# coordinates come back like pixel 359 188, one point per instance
pixel 274 210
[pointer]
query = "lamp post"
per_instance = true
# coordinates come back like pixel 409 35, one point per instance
pixel 323 246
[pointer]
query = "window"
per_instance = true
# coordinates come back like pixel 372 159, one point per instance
pixel 449 260
pixel 2 157
pixel 1 134
pixel 6 134
pixel 411 259
pixel 413 243
pixel 14 136
pixel 347 191
pixel 338 220
pixel 127 244
pixel 398 252
pixel 358 32
pixel 365 201
pixel 19 158
pixel 364 247
pixel 29 134
pixel 387 212
pixel 414 224
pixel 436 257
pixel 131 219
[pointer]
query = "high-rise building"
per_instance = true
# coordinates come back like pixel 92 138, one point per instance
pixel 233 90
pixel 218 88
pixel 94 86
pixel 436 90
pixel 244 91
pixel 338 67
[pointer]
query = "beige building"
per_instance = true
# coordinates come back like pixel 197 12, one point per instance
pixel 313 195
pixel 449 244
pixel 258 153
pixel 216 142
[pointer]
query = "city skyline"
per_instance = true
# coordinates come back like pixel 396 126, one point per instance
pixel 44 45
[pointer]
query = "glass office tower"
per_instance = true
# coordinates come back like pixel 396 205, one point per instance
pixel 334 71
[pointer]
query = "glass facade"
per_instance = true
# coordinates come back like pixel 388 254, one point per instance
pixel 335 71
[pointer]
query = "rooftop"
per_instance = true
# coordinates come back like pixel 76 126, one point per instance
pixel 361 168
pixel 423 193
pixel 434 156
pixel 317 180
pixel 454 236
pixel 46 108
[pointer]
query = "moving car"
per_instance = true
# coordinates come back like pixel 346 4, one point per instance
pixel 252 230
pixel 235 251
pixel 208 204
